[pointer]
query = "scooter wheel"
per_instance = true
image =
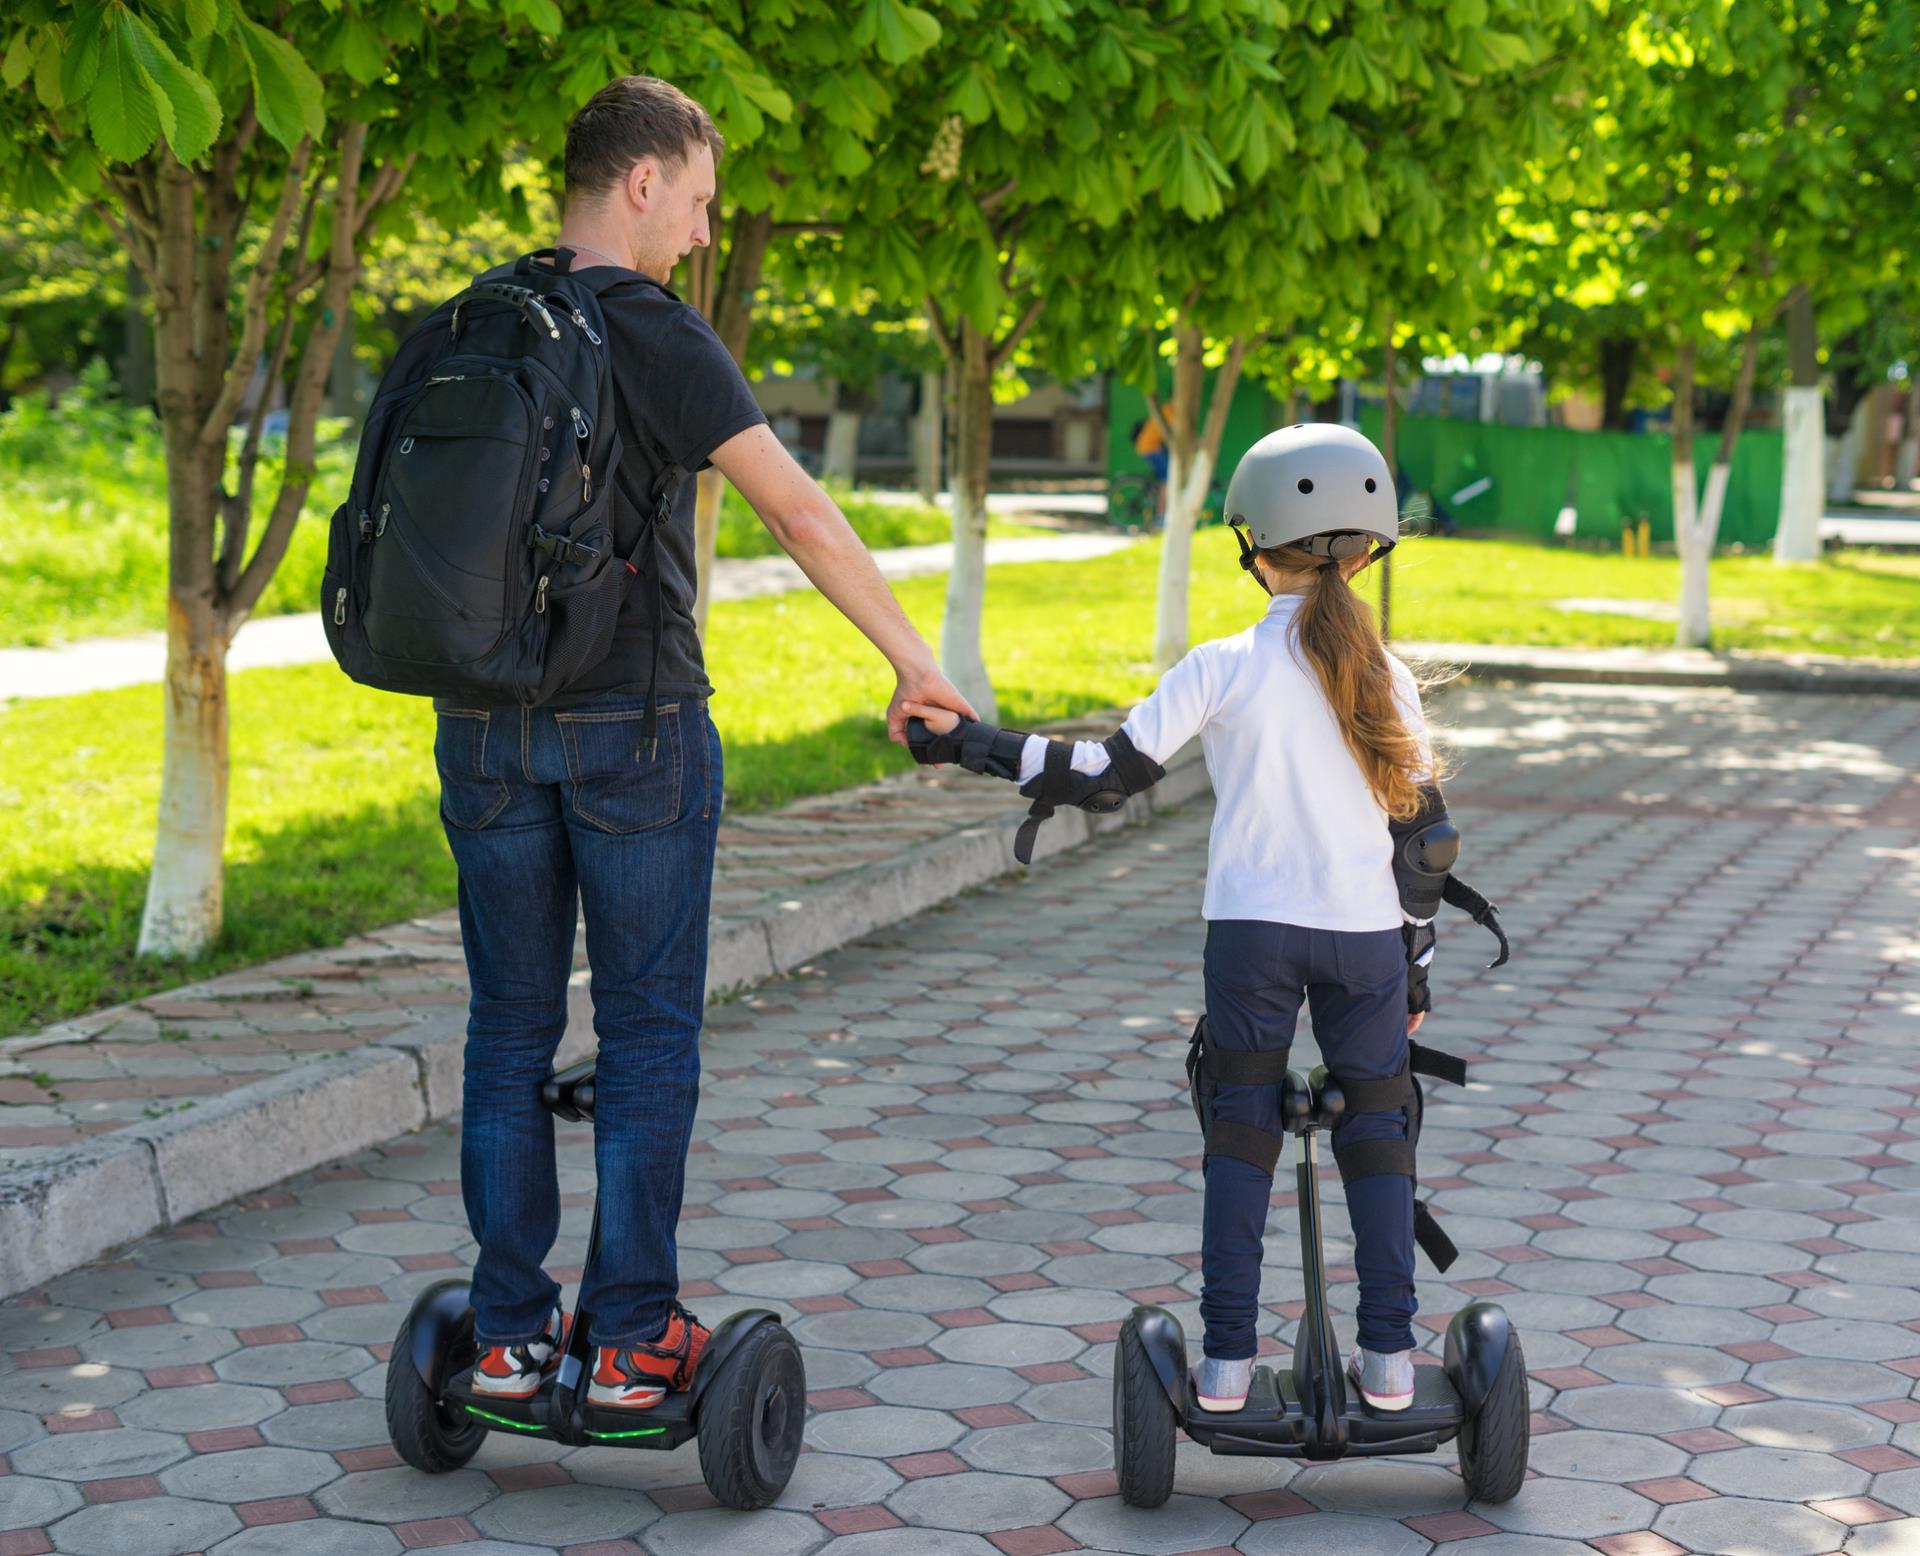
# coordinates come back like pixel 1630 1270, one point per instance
pixel 1493 1443
pixel 428 1434
pixel 750 1418
pixel 1143 1425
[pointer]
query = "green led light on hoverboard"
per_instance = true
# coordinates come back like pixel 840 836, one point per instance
pixel 488 1415
pixel 645 1431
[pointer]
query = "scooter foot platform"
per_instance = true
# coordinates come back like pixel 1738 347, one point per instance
pixel 665 1425
pixel 1268 1424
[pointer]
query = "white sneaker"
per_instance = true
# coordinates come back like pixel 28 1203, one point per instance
pixel 517 1371
pixel 1222 1385
pixel 1385 1381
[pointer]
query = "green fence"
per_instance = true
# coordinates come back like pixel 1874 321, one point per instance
pixel 1250 418
pixel 1609 478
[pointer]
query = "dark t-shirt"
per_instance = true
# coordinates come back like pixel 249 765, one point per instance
pixel 678 395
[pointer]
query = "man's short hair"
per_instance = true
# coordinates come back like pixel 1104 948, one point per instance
pixel 634 119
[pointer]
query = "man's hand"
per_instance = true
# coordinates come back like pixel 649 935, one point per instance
pixel 942 721
pixel 1413 1022
pixel 925 695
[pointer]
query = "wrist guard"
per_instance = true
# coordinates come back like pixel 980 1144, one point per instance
pixel 980 748
pixel 1419 941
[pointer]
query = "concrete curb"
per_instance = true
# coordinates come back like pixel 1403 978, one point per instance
pixel 1672 667
pixel 69 1207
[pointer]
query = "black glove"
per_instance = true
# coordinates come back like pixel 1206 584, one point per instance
pixel 1419 940
pixel 980 748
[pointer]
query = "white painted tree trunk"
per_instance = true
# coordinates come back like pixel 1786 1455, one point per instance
pixel 708 496
pixel 960 636
pixel 1843 454
pixel 842 456
pixel 1906 466
pixel 1803 476
pixel 182 916
pixel 1186 490
pixel 927 434
pixel 1696 526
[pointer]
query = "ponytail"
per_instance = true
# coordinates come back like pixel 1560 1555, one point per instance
pixel 1338 636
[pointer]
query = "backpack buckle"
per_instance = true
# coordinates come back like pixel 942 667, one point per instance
pixel 560 548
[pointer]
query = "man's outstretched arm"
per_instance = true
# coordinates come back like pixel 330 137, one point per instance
pixel 811 529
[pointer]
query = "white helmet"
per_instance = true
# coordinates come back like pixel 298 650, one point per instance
pixel 1317 485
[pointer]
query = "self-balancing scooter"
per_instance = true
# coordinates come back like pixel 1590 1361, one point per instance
pixel 746 1406
pixel 1479 1397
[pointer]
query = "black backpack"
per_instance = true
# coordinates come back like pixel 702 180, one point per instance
pixel 473 557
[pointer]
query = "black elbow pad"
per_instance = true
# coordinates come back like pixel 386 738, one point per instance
pixel 1128 773
pixel 1425 848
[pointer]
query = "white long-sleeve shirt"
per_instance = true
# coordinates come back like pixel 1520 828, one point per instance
pixel 1298 837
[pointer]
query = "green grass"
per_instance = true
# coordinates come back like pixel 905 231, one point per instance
pixel 84 529
pixel 1857 603
pixel 334 826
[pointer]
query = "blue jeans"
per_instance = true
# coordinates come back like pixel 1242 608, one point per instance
pixel 1356 983
pixel 550 813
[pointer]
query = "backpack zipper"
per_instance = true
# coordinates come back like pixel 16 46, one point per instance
pixel 583 434
pixel 340 606
pixel 586 329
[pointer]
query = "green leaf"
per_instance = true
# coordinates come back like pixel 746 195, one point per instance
pixel 121 110
pixel 902 31
pixel 189 112
pixel 80 62
pixel 18 64
pixel 286 93
pixel 363 52
pixel 971 99
pixel 202 16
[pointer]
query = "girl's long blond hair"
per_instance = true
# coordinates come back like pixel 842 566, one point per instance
pixel 1341 641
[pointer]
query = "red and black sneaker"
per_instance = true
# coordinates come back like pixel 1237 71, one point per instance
pixel 638 1374
pixel 517 1371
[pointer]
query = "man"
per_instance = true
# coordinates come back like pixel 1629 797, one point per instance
pixel 566 801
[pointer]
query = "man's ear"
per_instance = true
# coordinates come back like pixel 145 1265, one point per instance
pixel 643 183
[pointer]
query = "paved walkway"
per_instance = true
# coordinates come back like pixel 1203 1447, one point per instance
pixel 954 1153
pixel 98 664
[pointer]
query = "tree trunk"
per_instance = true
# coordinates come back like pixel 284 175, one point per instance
pixel 136 366
pixel 1617 353
pixel 1187 474
pixel 927 435
pixel 710 492
pixel 1843 454
pixel 1695 629
pixel 184 896
pixel 726 297
pixel 1907 466
pixel 960 649
pixel 1701 529
pixel 842 455
pixel 343 376
pixel 1389 449
pixel 1193 451
pixel 1803 421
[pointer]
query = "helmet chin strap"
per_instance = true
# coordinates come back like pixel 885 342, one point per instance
pixel 1247 555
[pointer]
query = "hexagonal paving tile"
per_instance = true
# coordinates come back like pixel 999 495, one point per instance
pixel 1750 1527
pixel 978 1503
pixel 1184 1524
pixel 155 1526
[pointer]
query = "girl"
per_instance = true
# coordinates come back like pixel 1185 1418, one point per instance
pixel 1329 849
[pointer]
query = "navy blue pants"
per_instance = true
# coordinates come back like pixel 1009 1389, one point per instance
pixel 1356 987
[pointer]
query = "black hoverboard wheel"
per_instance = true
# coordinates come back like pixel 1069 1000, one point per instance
pixel 1493 1440
pixel 750 1416
pixel 428 1431
pixel 1143 1424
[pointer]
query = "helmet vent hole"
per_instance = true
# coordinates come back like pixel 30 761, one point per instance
pixel 1305 484
pixel 1370 483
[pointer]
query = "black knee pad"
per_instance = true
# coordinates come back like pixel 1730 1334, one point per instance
pixel 1208 1068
